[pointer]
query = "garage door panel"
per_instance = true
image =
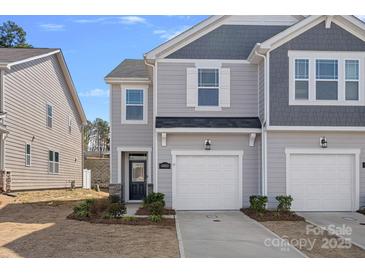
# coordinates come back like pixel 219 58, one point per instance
pixel 206 182
pixel 321 182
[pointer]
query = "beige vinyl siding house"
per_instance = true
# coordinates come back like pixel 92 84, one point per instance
pixel 44 120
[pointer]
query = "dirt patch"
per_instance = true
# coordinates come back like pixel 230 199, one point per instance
pixel 315 245
pixel 272 215
pixel 59 195
pixel 145 211
pixel 36 229
pixel 135 221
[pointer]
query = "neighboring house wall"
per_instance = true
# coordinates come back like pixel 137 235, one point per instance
pixel 261 92
pixel 127 135
pixel 316 39
pixel 28 88
pixel 171 90
pixel 276 161
pixel 251 157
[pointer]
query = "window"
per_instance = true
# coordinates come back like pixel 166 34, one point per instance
pixel 49 115
pixel 326 79
pixel 301 79
pixel 27 155
pixel 352 79
pixel 69 124
pixel 53 162
pixel 208 87
pixel 134 105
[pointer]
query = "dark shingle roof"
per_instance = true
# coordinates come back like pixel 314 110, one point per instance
pixel 130 68
pixel 227 42
pixel 10 55
pixel 208 122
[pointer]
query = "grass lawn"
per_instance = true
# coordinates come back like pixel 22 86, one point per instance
pixel 34 224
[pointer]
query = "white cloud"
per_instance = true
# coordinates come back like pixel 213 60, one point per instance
pixel 171 33
pixel 52 27
pixel 132 20
pixel 91 20
pixel 96 92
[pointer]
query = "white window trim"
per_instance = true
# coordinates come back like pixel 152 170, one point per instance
pixel 144 88
pixel 209 108
pixel 343 151
pixel 30 155
pixel 53 162
pixel 312 56
pixel 49 104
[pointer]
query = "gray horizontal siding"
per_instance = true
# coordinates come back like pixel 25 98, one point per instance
pixel 28 87
pixel 251 164
pixel 171 90
pixel 127 134
pixel 320 39
pixel 276 161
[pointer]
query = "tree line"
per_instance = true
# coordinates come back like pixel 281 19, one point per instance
pixel 97 136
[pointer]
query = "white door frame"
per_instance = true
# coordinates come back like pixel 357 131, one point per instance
pixel 328 151
pixel 148 150
pixel 238 153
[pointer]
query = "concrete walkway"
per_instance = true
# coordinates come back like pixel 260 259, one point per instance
pixel 228 234
pixel 340 221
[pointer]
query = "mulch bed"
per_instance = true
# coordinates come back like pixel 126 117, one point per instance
pixel 272 215
pixel 165 222
pixel 145 211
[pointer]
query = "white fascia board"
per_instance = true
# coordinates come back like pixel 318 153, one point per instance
pixel 175 42
pixel 315 128
pixel 9 65
pixel 208 130
pixel 120 80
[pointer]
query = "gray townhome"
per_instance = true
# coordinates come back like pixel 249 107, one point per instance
pixel 244 105
pixel 41 121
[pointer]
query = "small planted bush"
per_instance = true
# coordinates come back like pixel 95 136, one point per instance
pixel 258 203
pixel 154 197
pixel 155 218
pixel 116 210
pixel 284 203
pixel 129 218
pixel 114 199
pixel 83 209
pixel 156 208
pixel 98 207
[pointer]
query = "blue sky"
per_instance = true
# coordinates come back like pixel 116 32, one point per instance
pixel 94 45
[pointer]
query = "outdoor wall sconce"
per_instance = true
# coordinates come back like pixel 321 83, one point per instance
pixel 207 144
pixel 33 138
pixel 323 142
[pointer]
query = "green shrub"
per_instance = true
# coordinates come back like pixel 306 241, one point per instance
pixel 98 207
pixel 129 218
pixel 155 218
pixel 83 209
pixel 258 203
pixel 154 197
pixel 284 203
pixel 156 208
pixel 114 199
pixel 116 210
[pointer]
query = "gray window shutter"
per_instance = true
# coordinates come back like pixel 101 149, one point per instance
pixel 224 87
pixel 191 87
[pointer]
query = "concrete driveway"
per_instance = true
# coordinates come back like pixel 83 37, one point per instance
pixel 229 234
pixel 340 221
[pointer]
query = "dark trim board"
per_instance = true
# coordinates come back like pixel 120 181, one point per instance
pixel 208 122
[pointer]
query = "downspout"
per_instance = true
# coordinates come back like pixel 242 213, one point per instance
pixel 264 132
pixel 154 134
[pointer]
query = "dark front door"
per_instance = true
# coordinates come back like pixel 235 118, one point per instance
pixel 137 179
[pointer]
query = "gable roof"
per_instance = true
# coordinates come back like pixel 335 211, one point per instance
pixel 13 56
pixel 194 33
pixel 135 68
pixel 347 22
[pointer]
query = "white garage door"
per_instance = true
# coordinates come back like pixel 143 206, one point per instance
pixel 207 182
pixel 320 182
